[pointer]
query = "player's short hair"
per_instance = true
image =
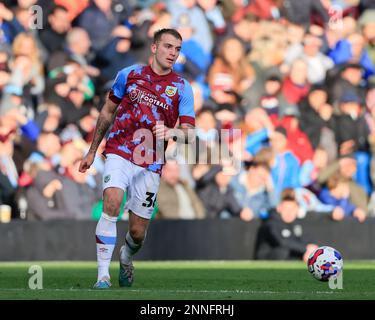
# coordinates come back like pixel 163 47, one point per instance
pixel 158 34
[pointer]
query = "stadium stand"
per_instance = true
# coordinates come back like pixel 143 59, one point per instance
pixel 300 87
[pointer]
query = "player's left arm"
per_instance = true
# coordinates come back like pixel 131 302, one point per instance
pixel 187 135
pixel 185 132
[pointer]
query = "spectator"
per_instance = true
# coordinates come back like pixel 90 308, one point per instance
pixel 193 62
pixel 8 171
pixel 267 9
pixel 24 16
pixel 48 118
pixel 298 142
pixel 310 169
pixel 53 196
pixel 53 36
pixel 253 66
pixel 24 45
pixel 316 119
pixel 20 133
pixel 47 148
pixel 260 129
pixel 352 136
pixel 254 189
pixel 317 62
pixel 115 55
pixel 352 50
pixel 367 24
pixel 370 119
pixel 349 79
pixel 144 23
pixel 273 100
pixel 74 8
pixel 346 166
pixel 310 204
pixel 77 48
pixel 71 151
pixel 244 30
pixel 300 12
pixel 350 126
pixel 17 91
pixel 337 194
pixel 296 85
pixel 281 237
pixel 217 195
pixel 268 46
pixel 285 169
pixel 5 71
pixel 102 23
pixel 69 91
pixel 207 136
pixel 213 15
pixel 176 200
pixel 202 30
pixel 80 191
pixel 230 74
pixel 43 196
pixel 9 26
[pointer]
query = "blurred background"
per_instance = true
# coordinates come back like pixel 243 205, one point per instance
pixel 297 77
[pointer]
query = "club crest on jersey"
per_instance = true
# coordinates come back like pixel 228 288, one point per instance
pixel 133 95
pixel 170 91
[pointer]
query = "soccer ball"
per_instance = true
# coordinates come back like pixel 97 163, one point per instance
pixel 325 263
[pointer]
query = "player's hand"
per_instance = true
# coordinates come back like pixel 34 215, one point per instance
pixel 160 131
pixel 86 162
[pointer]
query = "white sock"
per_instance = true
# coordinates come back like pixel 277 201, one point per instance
pixel 106 233
pixel 131 248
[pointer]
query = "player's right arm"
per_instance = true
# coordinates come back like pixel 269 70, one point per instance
pixel 105 120
pixel 107 115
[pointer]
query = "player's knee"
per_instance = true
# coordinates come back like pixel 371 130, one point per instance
pixel 137 233
pixel 112 201
pixel 112 206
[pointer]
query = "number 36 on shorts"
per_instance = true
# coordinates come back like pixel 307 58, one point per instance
pixel 150 200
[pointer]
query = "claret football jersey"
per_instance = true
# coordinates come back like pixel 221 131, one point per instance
pixel 145 98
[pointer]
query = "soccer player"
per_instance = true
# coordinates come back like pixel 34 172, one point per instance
pixel 144 105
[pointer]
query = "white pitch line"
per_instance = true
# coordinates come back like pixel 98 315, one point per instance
pixel 178 291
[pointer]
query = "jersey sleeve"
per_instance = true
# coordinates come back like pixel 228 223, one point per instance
pixel 117 91
pixel 186 107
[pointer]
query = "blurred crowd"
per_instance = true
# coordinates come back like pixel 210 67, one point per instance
pixel 297 77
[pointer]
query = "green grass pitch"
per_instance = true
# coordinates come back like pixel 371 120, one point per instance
pixel 190 280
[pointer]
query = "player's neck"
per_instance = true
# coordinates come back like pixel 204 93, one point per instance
pixel 159 70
